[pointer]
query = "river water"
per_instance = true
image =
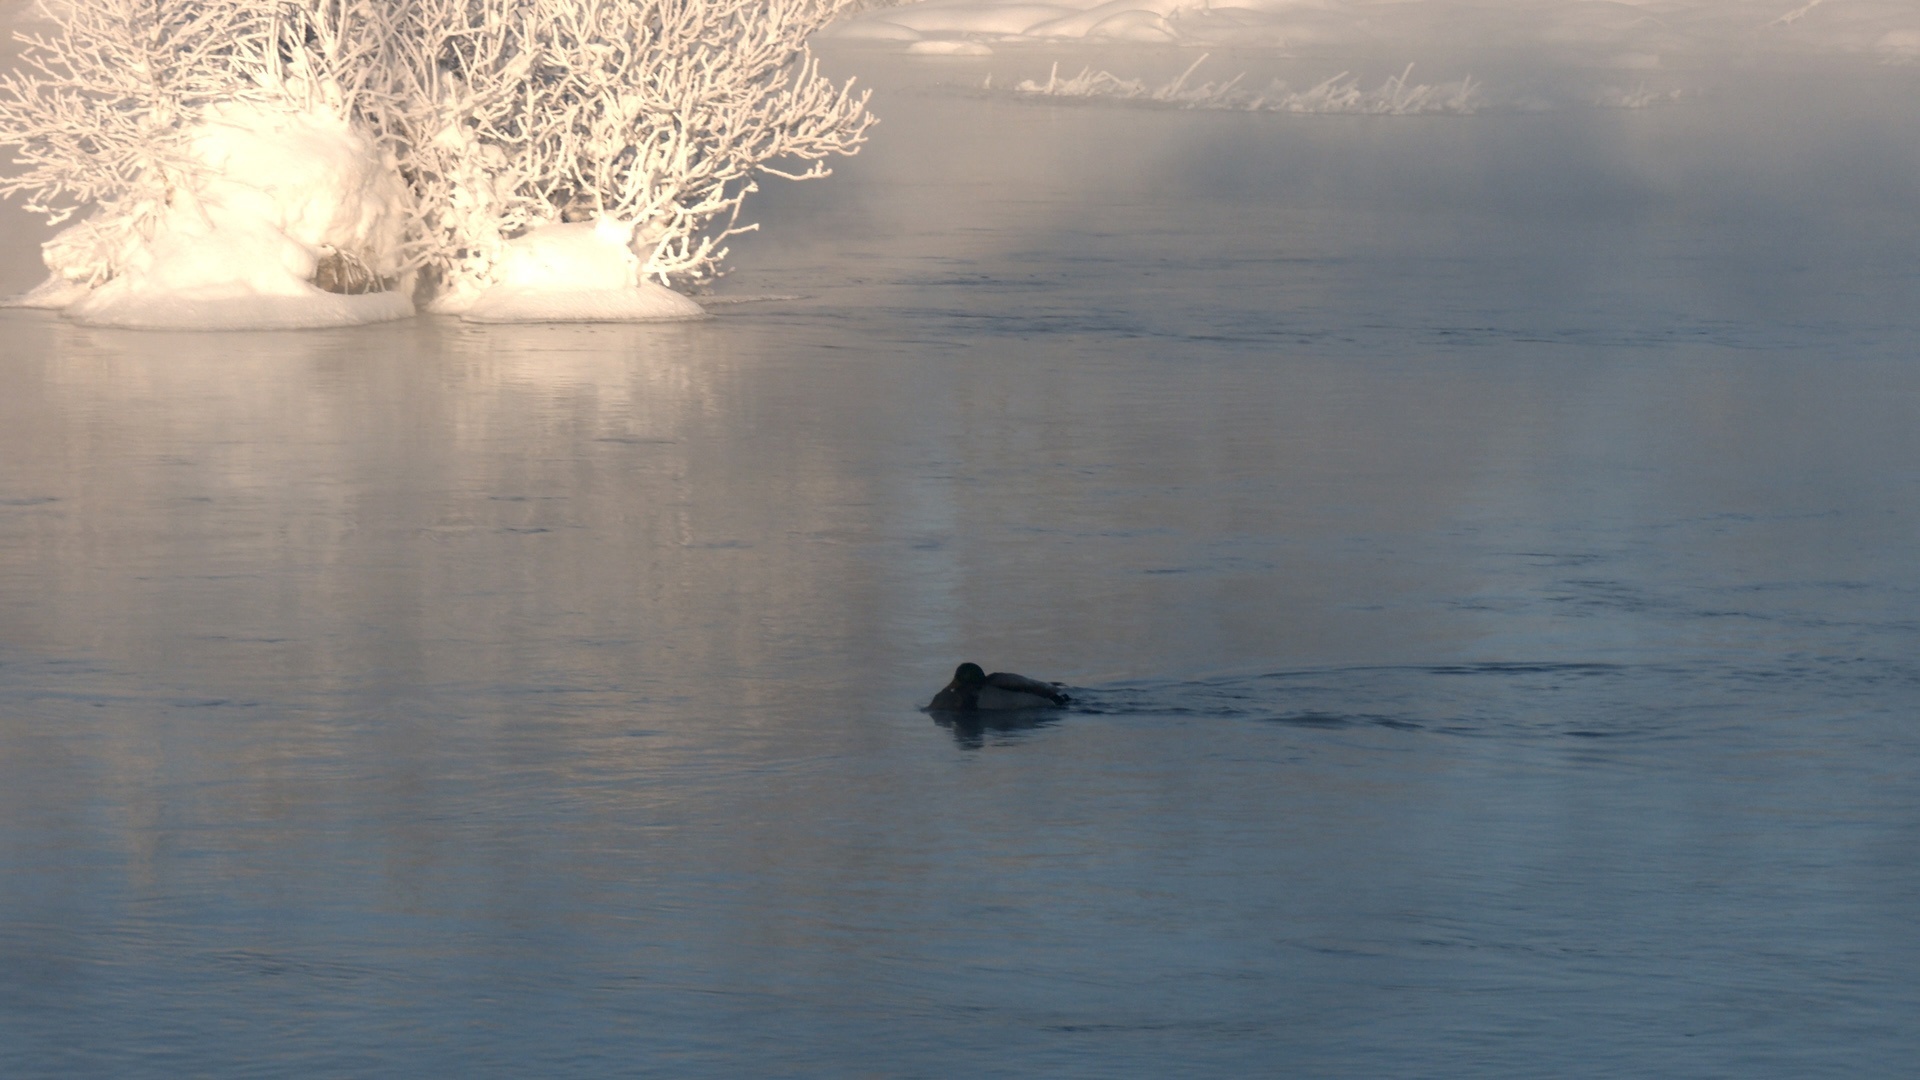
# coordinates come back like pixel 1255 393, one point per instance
pixel 1483 550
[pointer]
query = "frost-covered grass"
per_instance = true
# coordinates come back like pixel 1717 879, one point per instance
pixel 264 151
pixel 1398 96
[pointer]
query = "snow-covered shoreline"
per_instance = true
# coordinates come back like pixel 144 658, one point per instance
pixel 1616 33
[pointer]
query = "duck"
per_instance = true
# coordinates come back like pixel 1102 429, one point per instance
pixel 972 688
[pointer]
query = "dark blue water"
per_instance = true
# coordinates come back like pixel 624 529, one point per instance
pixel 1482 549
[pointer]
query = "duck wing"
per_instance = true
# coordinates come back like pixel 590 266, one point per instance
pixel 1020 684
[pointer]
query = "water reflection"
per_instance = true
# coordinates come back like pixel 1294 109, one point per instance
pixel 1491 629
pixel 972 729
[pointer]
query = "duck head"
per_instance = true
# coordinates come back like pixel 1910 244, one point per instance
pixel 964 691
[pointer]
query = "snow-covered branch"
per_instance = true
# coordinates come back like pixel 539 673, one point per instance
pixel 655 114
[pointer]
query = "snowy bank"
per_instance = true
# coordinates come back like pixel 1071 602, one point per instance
pixel 1626 33
pixel 1341 94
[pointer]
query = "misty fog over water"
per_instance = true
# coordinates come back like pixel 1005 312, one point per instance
pixel 1481 549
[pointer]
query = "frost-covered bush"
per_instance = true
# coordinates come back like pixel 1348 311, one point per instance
pixel 375 139
pixel 654 114
pixel 168 118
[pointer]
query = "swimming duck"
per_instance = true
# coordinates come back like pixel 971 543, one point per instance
pixel 972 688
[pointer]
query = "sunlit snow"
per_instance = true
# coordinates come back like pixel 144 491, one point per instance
pixel 285 191
pixel 576 272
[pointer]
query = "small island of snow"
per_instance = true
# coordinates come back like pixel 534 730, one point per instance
pixel 575 272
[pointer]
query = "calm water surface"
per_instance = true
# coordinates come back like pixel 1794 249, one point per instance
pixel 1484 550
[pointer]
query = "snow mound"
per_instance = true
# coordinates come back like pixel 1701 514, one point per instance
pixel 573 272
pixel 308 174
pixel 277 199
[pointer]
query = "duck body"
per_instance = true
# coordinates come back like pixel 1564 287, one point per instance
pixel 973 689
